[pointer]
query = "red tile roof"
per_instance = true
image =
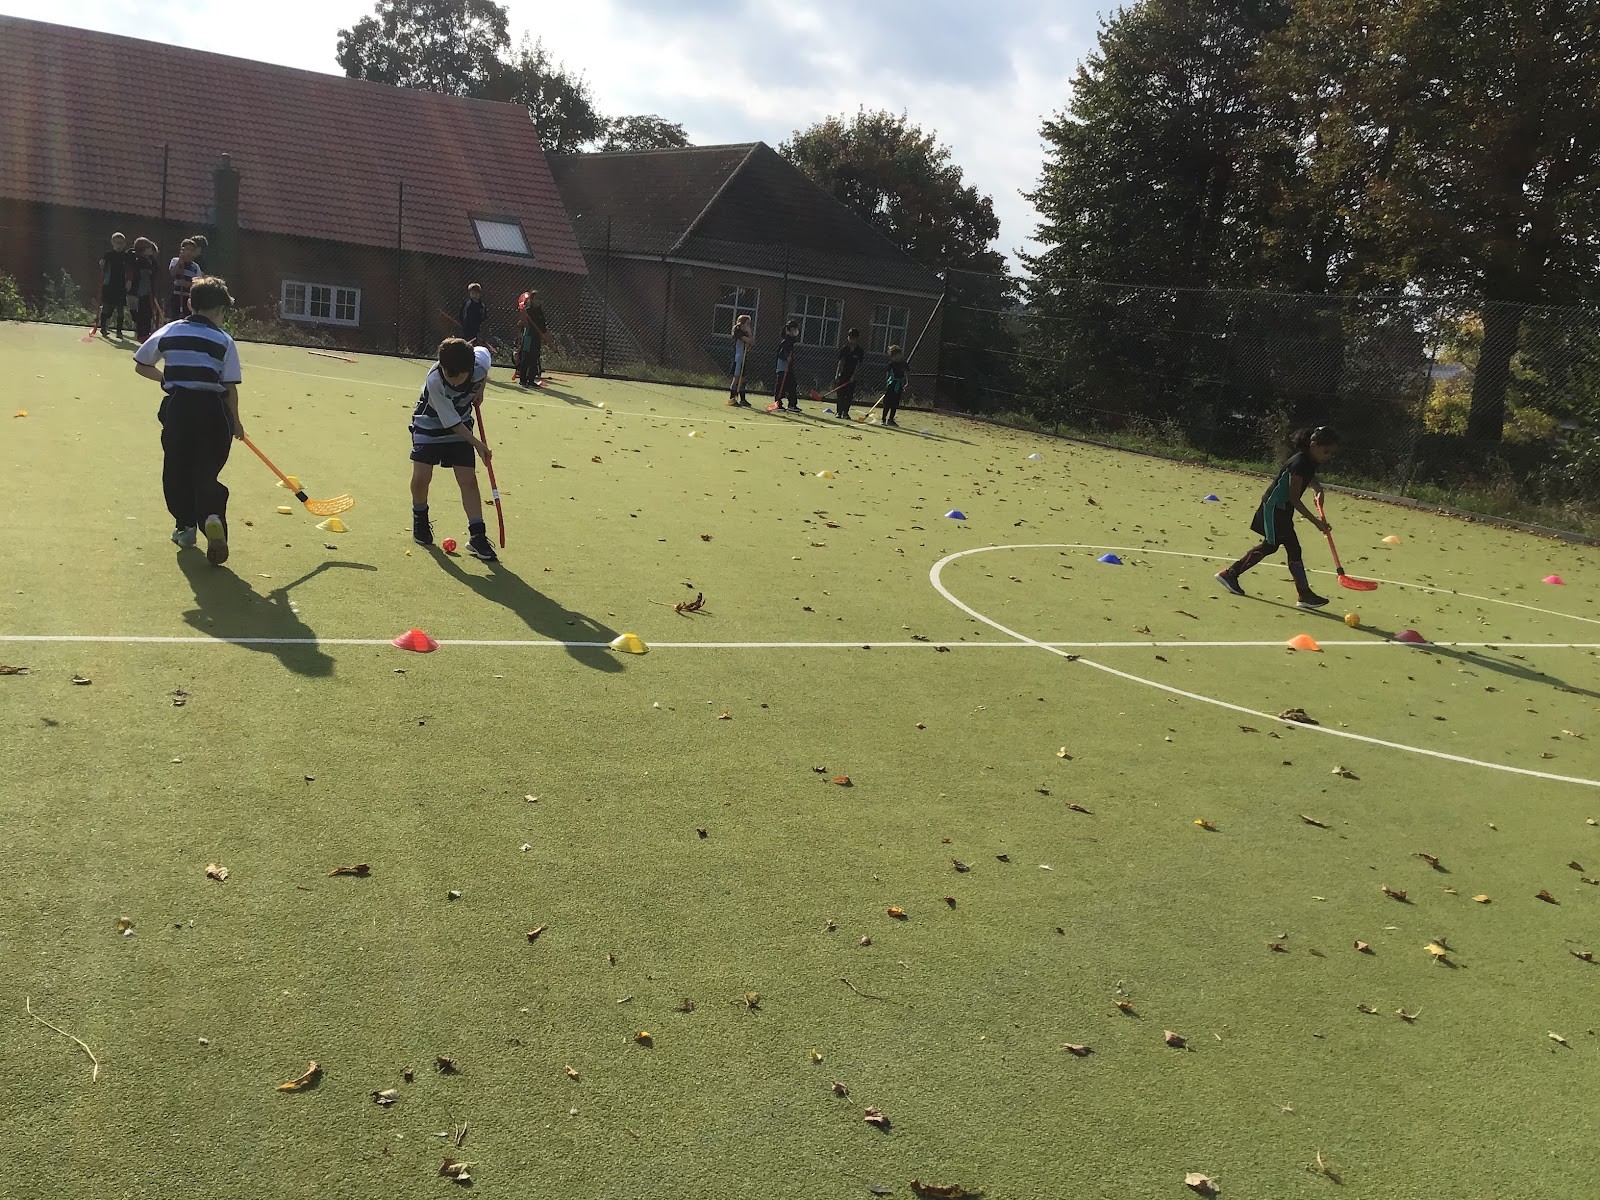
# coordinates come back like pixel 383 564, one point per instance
pixel 321 156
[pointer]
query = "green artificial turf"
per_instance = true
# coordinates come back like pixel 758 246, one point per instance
pixel 284 760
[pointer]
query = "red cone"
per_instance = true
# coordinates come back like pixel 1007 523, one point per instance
pixel 415 639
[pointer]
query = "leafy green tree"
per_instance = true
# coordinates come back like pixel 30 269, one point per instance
pixel 645 131
pixel 904 183
pixel 449 46
pixel 559 102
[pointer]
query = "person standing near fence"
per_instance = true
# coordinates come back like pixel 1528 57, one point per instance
pixel 184 270
pixel 534 332
pixel 142 286
pixel 472 314
pixel 114 264
pixel 744 337
pixel 894 385
pixel 844 375
pixel 784 370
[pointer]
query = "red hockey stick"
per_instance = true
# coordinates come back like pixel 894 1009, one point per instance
pixel 1345 581
pixel 488 463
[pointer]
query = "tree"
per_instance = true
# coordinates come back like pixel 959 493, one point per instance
pixel 449 46
pixel 903 182
pixel 1469 128
pixel 643 132
pixel 560 104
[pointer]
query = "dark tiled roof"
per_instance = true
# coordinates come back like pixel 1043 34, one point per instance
pixel 87 114
pixel 742 205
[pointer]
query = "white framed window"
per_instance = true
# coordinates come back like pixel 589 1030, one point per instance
pixel 319 303
pixel 889 325
pixel 733 303
pixel 501 236
pixel 819 318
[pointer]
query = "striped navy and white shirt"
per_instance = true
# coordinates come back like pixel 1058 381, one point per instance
pixel 195 356
pixel 442 407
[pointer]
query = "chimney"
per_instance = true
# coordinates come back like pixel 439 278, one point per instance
pixel 222 255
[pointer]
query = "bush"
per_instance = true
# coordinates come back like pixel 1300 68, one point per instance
pixel 62 303
pixel 12 305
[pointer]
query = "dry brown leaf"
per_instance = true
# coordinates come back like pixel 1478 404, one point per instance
pixel 816 1058
pixel 959 865
pixel 1313 821
pixel 533 934
pixel 1576 866
pixel 950 900
pixel 725 715
pixel 1583 955
pixel 1248 729
pixel 1062 753
pixel 1205 824
pixel 752 1001
pixel 1005 858
pixel 1124 1006
pixel 1176 1040
pixel 899 914
pixel 1431 859
pixel 865 941
pixel 452 1169
pixel 572 1073
pixel 216 871
pixel 1482 899
pixel 1277 947
pixel 935 1191
pixel 358 869
pixel 446 1066
pixel 1078 808
pixel 1441 953
pixel 685 1005
pixel 1559 1040
pixel 1407 1017
pixel 1590 882
pixel 1201 1184
pixel 1297 715
pixel 386 1097
pixel 839 1089
pixel 1546 897
pixel 1344 773
pixel 82 680
pixel 875 1117
pixel 313 1073
pixel 843 781
pixel 1368 1009
pixel 1449 891
pixel 1365 948
pixel 1394 893
pixel 645 1038
pixel 6 669
pixel 1077 1049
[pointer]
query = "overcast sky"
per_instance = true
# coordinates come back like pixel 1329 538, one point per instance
pixel 982 75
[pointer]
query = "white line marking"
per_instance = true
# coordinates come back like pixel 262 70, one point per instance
pixel 536 643
pixel 937 570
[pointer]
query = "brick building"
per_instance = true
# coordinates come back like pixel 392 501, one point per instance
pixel 335 206
pixel 682 240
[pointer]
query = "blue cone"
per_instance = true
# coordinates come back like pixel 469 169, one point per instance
pixel 1212 499
pixel 1112 559
pixel 955 514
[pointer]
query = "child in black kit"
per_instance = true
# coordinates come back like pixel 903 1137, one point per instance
pixel 142 286
pixel 114 265
pixel 784 372
pixel 472 314
pixel 894 385
pixel 1274 518
pixel 844 375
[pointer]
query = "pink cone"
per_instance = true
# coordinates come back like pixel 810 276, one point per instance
pixel 1411 637
pixel 1555 579
pixel 417 640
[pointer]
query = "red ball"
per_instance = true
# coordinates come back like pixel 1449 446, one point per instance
pixel 449 545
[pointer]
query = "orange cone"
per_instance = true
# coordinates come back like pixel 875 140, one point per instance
pixel 1304 641
pixel 415 639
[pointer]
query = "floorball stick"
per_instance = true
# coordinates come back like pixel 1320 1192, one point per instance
pixel 1345 581
pixel 488 465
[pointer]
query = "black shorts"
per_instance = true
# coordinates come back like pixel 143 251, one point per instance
pixel 846 392
pixel 444 454
pixel 1283 528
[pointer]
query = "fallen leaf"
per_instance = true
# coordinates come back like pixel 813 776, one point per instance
pixel 875 1118
pixel 866 941
pixel 386 1097
pixel 408 1075
pixel 1313 821
pixel 959 865
pixel 1407 1017
pixel 1062 753
pixel 839 1089
pixel 1176 1040
pixel 1368 1009
pixel 446 1066
pixel 1590 882
pixel 1583 955
pixel 701 833
pixel 1005 858
pixel 81 680
pixel 1449 891
pixel 950 900
pixel 1576 866
pixel 685 1005
pixel 899 914
pixel 1365 948
pixel 533 934
pixel 452 1169
pixel 1075 1048
pixel 1431 859
pixel 596 458
pixel 572 1073
pixel 1201 1184
pixel 1277 947
pixel 1298 715
pixel 725 715
pixel 1559 1040
pixel 1125 1006
pixel 949 1191
pixel 1546 897
pixel 815 1057
pixel 645 1038
pixel 1248 729
pixel 752 1001
pixel 6 669
pixel 1078 808
pixel 312 1074
pixel 1205 824
pixel 216 871
pixel 842 781
pixel 1394 893
pixel 1441 954
pixel 1344 773
pixel 1482 899
pixel 358 869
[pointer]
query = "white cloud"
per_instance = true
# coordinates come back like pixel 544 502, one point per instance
pixel 982 76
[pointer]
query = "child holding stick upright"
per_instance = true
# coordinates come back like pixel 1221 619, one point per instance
pixel 114 265
pixel 894 385
pixel 142 290
pixel 744 337
pixel 1274 519
pixel 442 436
pixel 844 375
pixel 785 385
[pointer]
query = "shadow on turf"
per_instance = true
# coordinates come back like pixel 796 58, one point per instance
pixel 539 612
pixel 228 607
pixel 547 390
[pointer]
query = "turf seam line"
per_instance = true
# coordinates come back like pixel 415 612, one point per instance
pixel 937 570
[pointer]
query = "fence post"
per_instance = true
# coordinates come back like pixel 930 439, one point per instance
pixel 666 310
pixel 605 298
pixel 166 153
pixel 783 317
pixel 1422 412
pixel 399 253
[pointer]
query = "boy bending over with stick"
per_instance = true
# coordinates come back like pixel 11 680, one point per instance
pixel 442 436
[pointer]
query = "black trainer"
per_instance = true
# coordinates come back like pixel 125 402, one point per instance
pixel 421 528
pixel 1232 584
pixel 478 546
pixel 1312 600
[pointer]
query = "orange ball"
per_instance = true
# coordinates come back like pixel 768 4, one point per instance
pixel 449 545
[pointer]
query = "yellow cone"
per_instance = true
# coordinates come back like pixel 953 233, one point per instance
pixel 824 474
pixel 285 509
pixel 1304 641
pixel 294 482
pixel 1391 540
pixel 333 525
pixel 628 643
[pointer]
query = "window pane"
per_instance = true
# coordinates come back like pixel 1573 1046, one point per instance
pixel 321 301
pixel 345 307
pixel 733 302
pixel 294 299
pixel 502 237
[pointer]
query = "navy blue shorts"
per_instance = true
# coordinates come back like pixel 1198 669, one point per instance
pixel 444 454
